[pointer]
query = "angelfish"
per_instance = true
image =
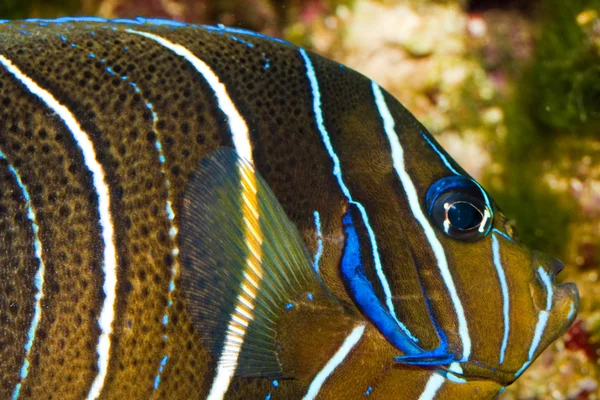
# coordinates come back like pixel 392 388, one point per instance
pixel 205 212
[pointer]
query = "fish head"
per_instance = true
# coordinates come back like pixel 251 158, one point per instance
pixel 512 306
pixel 456 289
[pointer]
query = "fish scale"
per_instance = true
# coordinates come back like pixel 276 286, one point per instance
pixel 167 190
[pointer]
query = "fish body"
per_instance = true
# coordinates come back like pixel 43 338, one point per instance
pixel 193 212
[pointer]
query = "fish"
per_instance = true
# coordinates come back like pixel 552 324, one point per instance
pixel 194 211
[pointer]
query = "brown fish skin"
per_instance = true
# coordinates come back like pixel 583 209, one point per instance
pixel 136 101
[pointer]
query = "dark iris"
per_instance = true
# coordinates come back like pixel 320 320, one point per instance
pixel 463 215
pixel 460 208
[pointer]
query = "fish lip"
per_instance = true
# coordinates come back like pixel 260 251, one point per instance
pixel 555 267
pixel 571 290
pixel 551 265
pixel 568 288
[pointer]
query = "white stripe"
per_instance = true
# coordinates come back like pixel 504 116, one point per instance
pixel 339 357
pixel 548 283
pixel 232 345
pixel 241 141
pixel 337 172
pixel 539 331
pixel 237 125
pixel 453 373
pixel 542 320
pixel 38 279
pixel 109 266
pixel 414 203
pixel 434 384
pixel 505 298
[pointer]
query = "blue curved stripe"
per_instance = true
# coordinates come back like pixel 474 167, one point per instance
pixel 152 21
pixel 446 162
pixel 240 31
pixel 362 291
pixel 38 278
pixel 244 42
pixel 440 154
pixel 504 235
pixel 337 172
pixel 168 206
pixel 319 253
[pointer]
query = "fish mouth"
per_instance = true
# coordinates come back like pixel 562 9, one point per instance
pixel 564 297
pixel 555 266
pixel 569 289
pixel 566 289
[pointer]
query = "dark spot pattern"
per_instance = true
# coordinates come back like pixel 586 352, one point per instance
pixel 137 100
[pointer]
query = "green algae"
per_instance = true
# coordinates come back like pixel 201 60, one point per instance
pixel 19 9
pixel 556 96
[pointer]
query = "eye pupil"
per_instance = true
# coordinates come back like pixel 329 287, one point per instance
pixel 464 216
pixel 460 208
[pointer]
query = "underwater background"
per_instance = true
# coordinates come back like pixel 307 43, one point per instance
pixel 510 88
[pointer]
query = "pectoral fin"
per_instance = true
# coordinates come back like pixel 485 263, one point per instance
pixel 246 275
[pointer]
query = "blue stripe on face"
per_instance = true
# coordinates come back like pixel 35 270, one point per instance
pixel 442 156
pixel 337 172
pixel 363 294
pixel 362 291
pixel 505 298
pixel 503 235
pixel 455 172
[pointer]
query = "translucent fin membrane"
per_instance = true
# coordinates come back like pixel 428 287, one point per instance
pixel 243 262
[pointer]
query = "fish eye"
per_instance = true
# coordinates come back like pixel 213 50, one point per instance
pixel 458 206
pixel 463 215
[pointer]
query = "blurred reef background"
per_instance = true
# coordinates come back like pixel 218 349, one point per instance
pixel 510 88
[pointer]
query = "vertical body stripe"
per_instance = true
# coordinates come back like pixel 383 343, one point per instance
pixel 253 273
pixel 239 129
pixel 337 172
pixel 505 298
pixel 434 383
pixel 542 320
pixel 38 279
pixel 168 208
pixel 349 343
pixel 109 265
pixel 319 252
pixel 414 203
